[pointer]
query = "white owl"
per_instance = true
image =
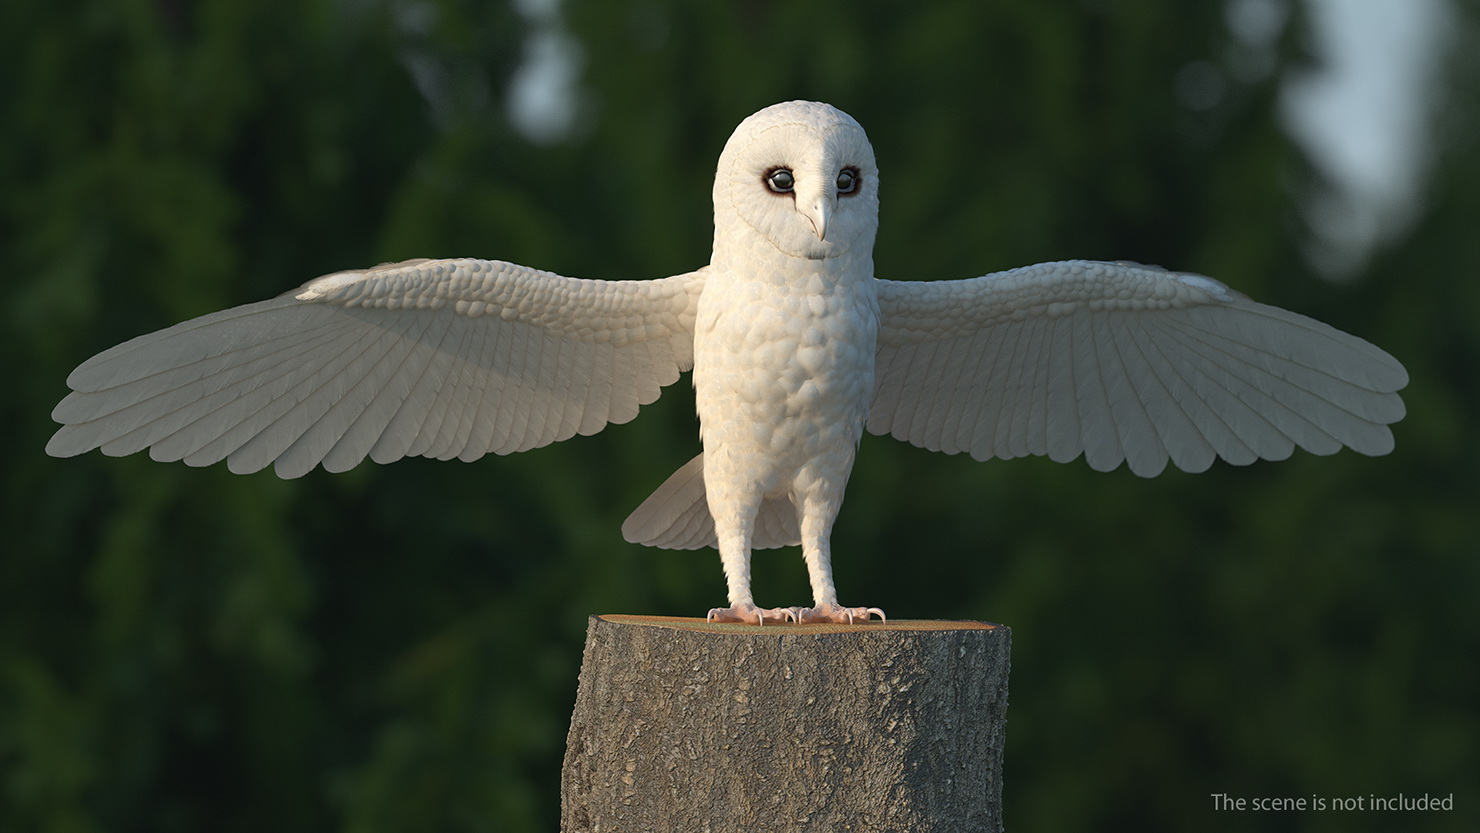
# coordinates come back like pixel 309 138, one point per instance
pixel 796 348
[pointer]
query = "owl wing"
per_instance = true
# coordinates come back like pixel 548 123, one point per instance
pixel 437 358
pixel 1122 362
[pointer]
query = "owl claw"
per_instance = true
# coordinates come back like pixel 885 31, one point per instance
pixel 749 614
pixel 839 615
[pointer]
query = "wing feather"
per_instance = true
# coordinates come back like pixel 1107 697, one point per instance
pixel 496 423
pixel 961 379
pixel 1156 385
pixel 388 392
pixel 1122 363
pixel 1061 431
pixel 920 386
pixel 439 403
pixel 940 425
pixel 1140 407
pixel 1035 440
pixel 885 399
pixel 300 439
pixel 252 401
pixel 994 420
pixel 599 390
pixel 465 422
pixel 211 430
pixel 624 398
pixel 405 426
pixel 451 358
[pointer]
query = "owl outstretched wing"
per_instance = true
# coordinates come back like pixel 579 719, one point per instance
pixel 436 358
pixel 1122 362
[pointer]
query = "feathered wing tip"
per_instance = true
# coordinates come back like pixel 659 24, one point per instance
pixel 676 516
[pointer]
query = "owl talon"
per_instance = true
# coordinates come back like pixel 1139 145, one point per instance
pixel 833 614
pixel 749 614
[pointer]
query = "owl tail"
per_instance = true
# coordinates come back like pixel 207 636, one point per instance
pixel 676 516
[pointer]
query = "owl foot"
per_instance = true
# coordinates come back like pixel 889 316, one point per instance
pixel 839 615
pixel 749 614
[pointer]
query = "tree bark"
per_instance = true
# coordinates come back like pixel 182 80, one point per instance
pixel 685 726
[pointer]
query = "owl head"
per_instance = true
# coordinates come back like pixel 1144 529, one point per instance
pixel 800 177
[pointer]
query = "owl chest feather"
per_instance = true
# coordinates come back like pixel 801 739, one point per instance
pixel 786 365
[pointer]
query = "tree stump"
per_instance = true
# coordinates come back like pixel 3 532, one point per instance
pixel 685 726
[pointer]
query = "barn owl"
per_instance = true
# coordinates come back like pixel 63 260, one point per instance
pixel 796 348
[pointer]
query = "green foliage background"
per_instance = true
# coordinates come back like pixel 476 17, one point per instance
pixel 396 648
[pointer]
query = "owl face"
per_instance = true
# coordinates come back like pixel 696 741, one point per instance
pixel 801 177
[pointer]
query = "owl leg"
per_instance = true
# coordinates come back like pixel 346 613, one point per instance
pixel 733 519
pixel 817 514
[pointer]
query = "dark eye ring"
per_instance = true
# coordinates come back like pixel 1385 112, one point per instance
pixel 848 181
pixel 780 180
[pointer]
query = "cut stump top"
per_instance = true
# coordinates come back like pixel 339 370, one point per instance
pixel 692 623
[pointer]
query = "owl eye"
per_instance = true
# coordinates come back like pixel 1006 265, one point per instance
pixel 780 180
pixel 848 180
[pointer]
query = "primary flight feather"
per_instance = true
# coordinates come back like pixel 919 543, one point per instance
pixel 795 347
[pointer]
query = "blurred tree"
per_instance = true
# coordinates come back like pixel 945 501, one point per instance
pixel 396 648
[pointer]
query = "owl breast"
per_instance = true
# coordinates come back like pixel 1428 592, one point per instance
pixel 784 374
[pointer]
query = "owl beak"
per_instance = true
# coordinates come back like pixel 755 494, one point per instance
pixel 817 212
